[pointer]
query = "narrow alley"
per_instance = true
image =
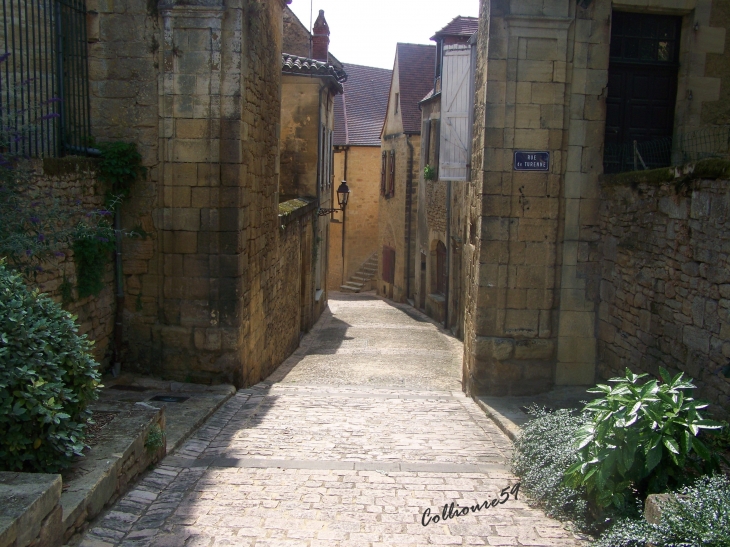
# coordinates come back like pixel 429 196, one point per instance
pixel 359 438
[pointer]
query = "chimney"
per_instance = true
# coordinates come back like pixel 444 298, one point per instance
pixel 320 38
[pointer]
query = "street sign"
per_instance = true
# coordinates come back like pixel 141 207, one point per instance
pixel 531 160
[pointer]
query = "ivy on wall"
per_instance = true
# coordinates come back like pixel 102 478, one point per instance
pixel 119 166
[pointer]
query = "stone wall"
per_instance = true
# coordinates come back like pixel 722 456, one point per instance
pixel 393 218
pixel 73 178
pixel 665 280
pixel 542 75
pixel 197 86
pixel 361 232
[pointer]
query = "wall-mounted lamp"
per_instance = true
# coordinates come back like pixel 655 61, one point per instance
pixel 689 94
pixel 697 26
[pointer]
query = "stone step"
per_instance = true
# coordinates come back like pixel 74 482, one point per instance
pixel 348 288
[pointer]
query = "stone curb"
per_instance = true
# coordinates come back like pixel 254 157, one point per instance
pixel 509 421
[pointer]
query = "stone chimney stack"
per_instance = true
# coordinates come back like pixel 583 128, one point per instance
pixel 320 38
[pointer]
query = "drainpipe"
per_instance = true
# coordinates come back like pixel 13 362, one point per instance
pixel 409 204
pixel 343 219
pixel 119 282
pixel 448 252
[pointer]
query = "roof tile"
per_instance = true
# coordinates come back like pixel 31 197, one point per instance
pixel 415 72
pixel 360 110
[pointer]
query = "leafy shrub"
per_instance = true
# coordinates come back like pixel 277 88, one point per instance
pixel 543 452
pixel 47 379
pixel 642 437
pixel 697 516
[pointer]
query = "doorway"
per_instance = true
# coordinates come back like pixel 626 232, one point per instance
pixel 642 91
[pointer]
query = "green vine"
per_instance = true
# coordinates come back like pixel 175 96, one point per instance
pixel 429 173
pixel 91 256
pixel 66 289
pixel 120 166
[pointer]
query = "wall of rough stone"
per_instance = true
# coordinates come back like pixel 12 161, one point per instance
pixel 361 232
pixel 665 281
pixel 73 178
pixel 197 86
pixel 392 216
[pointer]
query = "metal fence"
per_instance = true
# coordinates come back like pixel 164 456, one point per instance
pixel 44 93
pixel 709 142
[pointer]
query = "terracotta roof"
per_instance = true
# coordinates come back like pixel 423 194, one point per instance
pixel 360 110
pixel 301 66
pixel 415 75
pixel 459 26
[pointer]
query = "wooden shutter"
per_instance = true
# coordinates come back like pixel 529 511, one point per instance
pixel 456 100
pixel 391 174
pixel 388 264
pixel 383 171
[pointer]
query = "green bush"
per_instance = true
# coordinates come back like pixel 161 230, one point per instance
pixel 699 516
pixel 543 452
pixel 47 379
pixel 641 439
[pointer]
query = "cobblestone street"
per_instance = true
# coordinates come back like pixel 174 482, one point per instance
pixel 362 430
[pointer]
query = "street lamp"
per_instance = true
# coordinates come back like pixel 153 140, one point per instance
pixel 343 194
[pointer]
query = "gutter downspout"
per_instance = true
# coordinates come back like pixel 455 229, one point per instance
pixel 119 282
pixel 409 203
pixel 347 149
pixel 448 252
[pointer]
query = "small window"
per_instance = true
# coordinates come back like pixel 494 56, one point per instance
pixel 397 102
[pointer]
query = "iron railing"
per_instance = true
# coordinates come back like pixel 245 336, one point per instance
pixel 708 142
pixel 44 89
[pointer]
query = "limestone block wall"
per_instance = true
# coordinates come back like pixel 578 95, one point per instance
pixel 197 86
pixel 665 282
pixel 542 75
pixel 393 218
pixel 361 233
pixel 74 178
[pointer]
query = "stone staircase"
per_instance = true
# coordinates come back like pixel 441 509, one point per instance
pixel 362 278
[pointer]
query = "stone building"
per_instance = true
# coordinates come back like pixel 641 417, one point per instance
pixel 309 87
pixel 213 292
pixel 446 150
pixel 563 89
pixel 359 115
pixel 412 79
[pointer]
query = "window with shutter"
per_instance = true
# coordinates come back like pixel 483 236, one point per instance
pixel 383 172
pixel 456 105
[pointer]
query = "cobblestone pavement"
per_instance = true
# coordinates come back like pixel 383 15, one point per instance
pixel 362 431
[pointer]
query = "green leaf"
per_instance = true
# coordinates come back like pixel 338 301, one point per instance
pixel 653 457
pixel 671 445
pixel 701 449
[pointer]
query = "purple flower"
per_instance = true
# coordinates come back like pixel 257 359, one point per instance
pixel 35 204
pixel 58 254
pixel 102 239
pixel 41 237
pixel 38 269
pixel 104 212
pixel 4 56
pixel 78 202
pixel 34 220
pixel 28 252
